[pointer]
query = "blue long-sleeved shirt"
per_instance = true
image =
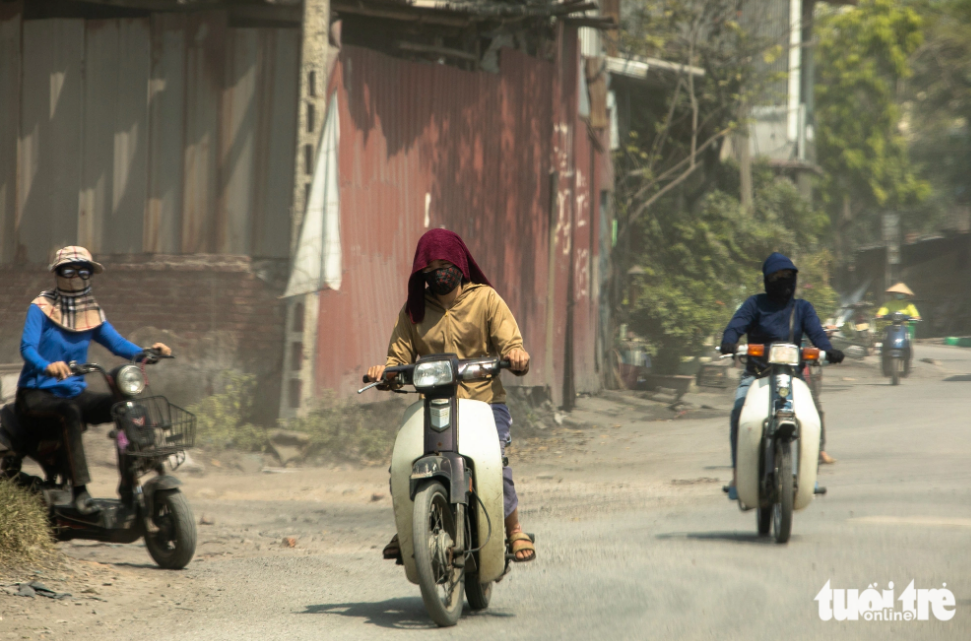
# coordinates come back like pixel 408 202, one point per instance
pixel 44 342
pixel 767 322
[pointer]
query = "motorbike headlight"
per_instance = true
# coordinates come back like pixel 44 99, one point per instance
pixel 130 380
pixel 433 374
pixel 784 354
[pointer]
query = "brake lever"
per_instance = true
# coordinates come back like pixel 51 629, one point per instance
pixel 372 385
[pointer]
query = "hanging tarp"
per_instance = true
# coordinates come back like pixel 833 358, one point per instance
pixel 318 262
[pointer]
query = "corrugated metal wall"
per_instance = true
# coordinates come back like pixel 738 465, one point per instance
pixel 432 146
pixel 169 134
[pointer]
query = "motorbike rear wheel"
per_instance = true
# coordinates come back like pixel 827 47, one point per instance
pixel 173 544
pixel 477 593
pixel 434 532
pixel 763 517
pixel 782 510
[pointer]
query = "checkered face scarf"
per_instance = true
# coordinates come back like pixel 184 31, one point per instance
pixel 76 311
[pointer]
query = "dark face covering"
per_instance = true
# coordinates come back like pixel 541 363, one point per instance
pixel 444 279
pixel 780 289
pixel 439 244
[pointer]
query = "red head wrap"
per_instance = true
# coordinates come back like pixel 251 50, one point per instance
pixel 438 244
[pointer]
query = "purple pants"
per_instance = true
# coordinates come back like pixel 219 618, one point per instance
pixel 503 423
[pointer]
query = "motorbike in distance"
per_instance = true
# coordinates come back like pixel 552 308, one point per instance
pixel 777 451
pixel 148 430
pixel 446 485
pixel 896 353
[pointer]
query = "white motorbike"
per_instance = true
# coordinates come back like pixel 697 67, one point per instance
pixel 778 439
pixel 446 486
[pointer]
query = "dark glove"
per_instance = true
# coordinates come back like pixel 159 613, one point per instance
pixel 835 356
pixel 729 348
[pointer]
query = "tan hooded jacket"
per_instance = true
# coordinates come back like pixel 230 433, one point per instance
pixel 478 324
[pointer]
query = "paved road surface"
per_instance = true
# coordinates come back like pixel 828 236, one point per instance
pixel 635 538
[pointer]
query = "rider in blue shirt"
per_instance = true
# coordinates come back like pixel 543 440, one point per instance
pixel 60 325
pixel 773 317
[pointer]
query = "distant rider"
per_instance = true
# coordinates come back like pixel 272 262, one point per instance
pixel 452 308
pixel 60 325
pixel 766 319
pixel 901 300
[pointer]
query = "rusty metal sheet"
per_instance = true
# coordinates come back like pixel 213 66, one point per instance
pixel 10 24
pixel 124 226
pixel 560 333
pixel 279 65
pixel 204 73
pixel 98 145
pixel 163 212
pixel 50 136
pixel 115 136
pixel 236 140
pixel 585 290
pixel 434 146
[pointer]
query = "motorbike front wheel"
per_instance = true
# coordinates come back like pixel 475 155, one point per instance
pixel 895 372
pixel 434 531
pixel 782 510
pixel 173 543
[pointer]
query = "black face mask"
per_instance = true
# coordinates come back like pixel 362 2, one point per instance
pixel 443 280
pixel 781 289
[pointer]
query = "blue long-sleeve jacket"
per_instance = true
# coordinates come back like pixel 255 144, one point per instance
pixel 44 342
pixel 765 321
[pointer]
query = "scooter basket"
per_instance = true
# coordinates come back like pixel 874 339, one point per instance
pixel 154 427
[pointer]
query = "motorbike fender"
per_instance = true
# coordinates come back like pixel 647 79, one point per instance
pixel 158 484
pixel 448 467
pixel 479 442
pixel 754 417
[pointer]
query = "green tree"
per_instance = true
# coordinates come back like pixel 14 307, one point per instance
pixel 863 58
pixel 937 111
pixel 698 265
pixel 695 251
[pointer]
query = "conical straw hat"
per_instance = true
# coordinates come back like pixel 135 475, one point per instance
pixel 900 288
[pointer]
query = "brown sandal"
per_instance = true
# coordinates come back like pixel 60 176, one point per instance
pixel 521 542
pixel 393 551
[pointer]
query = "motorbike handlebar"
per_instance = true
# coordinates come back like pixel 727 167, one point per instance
pixel 150 356
pixel 469 369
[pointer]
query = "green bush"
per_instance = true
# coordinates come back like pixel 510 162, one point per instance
pixel 338 429
pixel 25 533
pixel 342 430
pixel 224 418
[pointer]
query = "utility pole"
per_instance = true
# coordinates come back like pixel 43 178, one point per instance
pixel 301 321
pixel 891 240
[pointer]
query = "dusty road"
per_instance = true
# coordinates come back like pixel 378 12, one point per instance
pixel 635 538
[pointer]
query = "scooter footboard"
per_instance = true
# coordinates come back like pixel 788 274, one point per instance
pixel 805 449
pixel 750 427
pixel 479 442
pixel 409 445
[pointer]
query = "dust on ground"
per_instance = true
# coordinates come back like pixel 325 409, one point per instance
pixel 612 452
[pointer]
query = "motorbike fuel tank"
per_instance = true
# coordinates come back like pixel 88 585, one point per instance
pixel 805 449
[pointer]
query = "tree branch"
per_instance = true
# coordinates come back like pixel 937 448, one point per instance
pixel 680 179
pixel 676 167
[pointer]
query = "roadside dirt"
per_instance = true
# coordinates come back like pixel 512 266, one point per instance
pixel 609 454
